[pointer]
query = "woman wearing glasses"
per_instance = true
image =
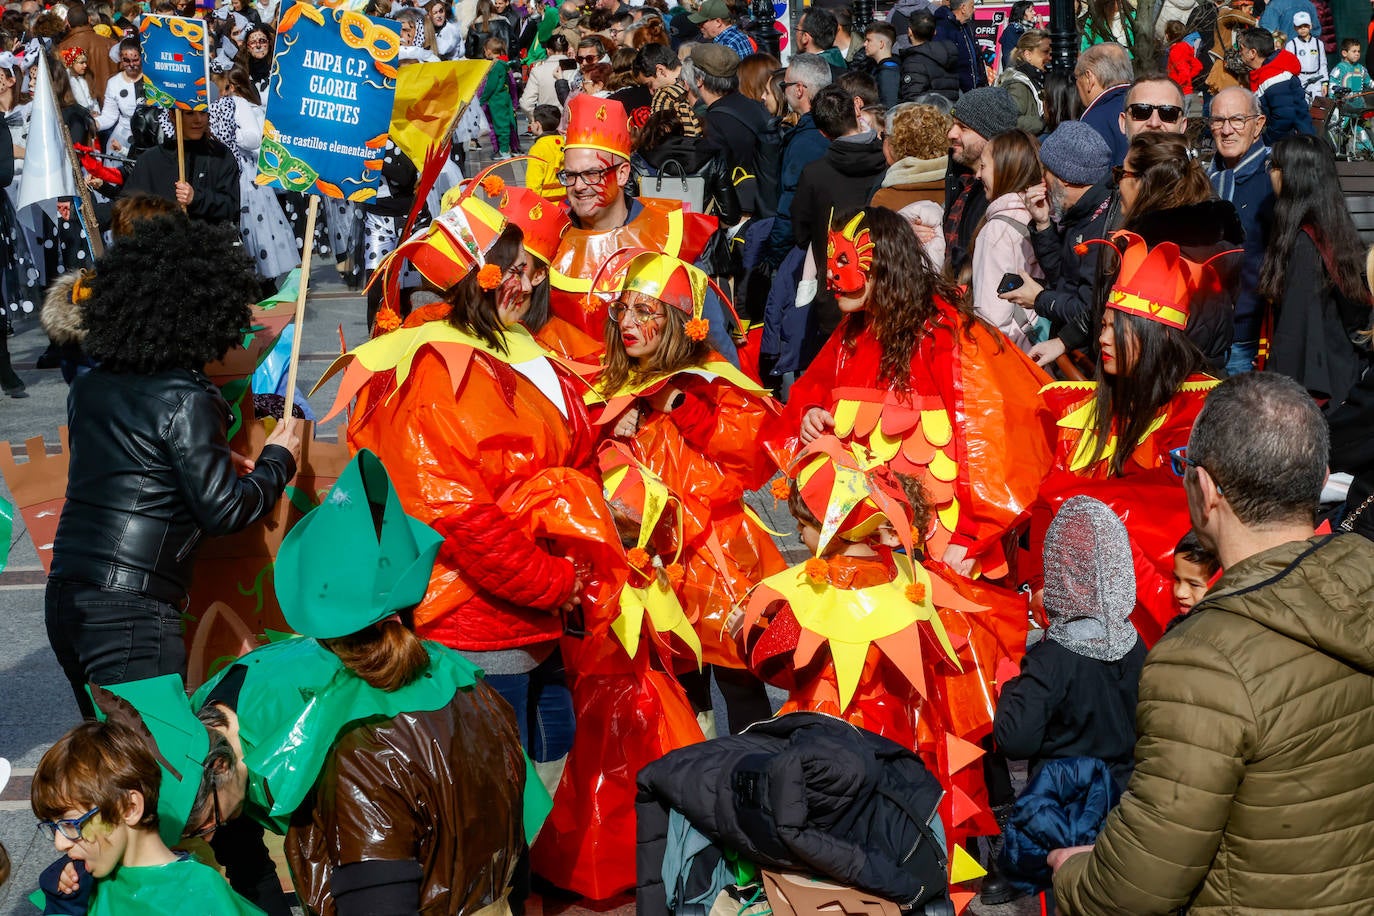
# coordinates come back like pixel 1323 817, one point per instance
pixel 1117 431
pixel 694 420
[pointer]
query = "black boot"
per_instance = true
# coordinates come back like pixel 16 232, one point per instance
pixel 996 888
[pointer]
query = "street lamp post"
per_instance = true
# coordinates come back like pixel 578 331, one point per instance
pixel 1063 36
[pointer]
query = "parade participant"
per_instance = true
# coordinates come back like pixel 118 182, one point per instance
pixel 367 746
pixel 893 642
pixel 123 93
pixel 912 375
pixel 694 420
pixel 209 190
pixel 490 443
pixel 113 796
pixel 596 170
pixel 1117 432
pixel 150 472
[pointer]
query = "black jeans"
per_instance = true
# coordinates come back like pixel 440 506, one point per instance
pixel 105 636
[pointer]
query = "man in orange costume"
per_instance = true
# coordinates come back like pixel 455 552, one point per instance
pixel 596 170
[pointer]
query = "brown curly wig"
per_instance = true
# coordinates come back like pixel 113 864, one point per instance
pixel 175 294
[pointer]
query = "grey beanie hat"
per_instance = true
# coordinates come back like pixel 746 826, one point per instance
pixel 989 110
pixel 1076 153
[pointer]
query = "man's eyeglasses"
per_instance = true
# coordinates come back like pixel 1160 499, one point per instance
pixel 788 84
pixel 1120 171
pixel 1237 122
pixel 1180 462
pixel 215 823
pixel 71 828
pixel 591 177
pixel 1141 111
pixel 586 58
pixel 639 313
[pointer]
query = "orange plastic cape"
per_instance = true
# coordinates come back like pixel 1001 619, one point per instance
pixel 458 424
pixel 725 548
pixel 1148 496
pixel 972 428
pixel 582 252
pixel 922 673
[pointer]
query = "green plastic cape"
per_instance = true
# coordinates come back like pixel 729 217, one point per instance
pixel 297 698
pixel 181 888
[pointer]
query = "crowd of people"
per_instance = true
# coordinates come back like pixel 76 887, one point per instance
pixel 1074 359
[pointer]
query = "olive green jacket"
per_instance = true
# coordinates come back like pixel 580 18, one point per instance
pixel 1253 789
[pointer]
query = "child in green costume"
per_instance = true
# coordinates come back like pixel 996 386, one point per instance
pixel 100 794
pixel 496 100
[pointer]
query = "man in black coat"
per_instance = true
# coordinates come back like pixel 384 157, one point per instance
pixel 841 180
pixel 928 65
pixel 211 189
pixel 733 121
pixel 954 23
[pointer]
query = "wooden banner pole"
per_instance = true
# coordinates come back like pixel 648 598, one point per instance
pixel 309 249
pixel 181 150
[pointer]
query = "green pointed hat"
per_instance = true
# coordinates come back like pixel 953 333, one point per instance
pixel 356 558
pixel 158 709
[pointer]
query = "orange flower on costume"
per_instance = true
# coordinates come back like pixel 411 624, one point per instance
pixel 388 320
pixel 675 574
pixel 817 570
pixel 781 488
pixel 493 185
pixel 916 593
pixel 489 277
pixel 638 557
pixel 697 328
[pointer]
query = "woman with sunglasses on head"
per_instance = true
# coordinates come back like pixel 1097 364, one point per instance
pixel 694 420
pixel 1118 433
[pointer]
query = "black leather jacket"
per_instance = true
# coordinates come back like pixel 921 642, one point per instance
pixel 149 474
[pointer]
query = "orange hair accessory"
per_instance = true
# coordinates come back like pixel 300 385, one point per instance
pixel 817 570
pixel 675 574
pixel 639 558
pixel 489 277
pixel 781 488
pixel 916 593
pixel 493 185
pixel 387 320
pixel 698 328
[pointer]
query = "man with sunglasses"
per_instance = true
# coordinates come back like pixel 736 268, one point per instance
pixel 1256 733
pixel 1153 103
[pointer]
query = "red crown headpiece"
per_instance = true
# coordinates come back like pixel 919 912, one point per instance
pixel 599 124
pixel 1157 283
pixel 851 493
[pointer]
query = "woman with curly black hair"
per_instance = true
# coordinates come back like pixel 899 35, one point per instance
pixel 151 472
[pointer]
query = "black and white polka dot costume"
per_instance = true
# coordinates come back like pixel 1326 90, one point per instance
pixel 267 236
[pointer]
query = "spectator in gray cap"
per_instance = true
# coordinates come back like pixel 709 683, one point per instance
pixel 1078 166
pixel 979 116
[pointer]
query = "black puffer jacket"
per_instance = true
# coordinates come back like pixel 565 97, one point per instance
pixel 150 473
pixel 803 792
pixel 931 67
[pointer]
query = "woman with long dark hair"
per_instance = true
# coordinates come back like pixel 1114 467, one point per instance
pixel 1313 274
pixel 1008 166
pixel 1119 432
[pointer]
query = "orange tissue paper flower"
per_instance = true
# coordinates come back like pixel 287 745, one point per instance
pixel 493 185
pixel 675 574
pixel 817 569
pixel 697 328
pixel 388 320
pixel 638 557
pixel 489 277
pixel 781 488
pixel 916 593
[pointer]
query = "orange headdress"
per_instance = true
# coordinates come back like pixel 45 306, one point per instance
pixel 1158 283
pixel 851 493
pixel 599 124
pixel 663 277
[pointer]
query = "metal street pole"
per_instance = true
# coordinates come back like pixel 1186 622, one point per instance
pixel 1063 36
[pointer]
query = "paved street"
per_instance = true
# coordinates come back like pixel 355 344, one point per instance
pixel 35 703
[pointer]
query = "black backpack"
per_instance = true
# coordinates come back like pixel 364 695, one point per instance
pixel 759 183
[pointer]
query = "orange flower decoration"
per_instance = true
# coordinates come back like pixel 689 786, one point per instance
pixel 638 557
pixel 81 291
pixel 698 328
pixel 916 593
pixel 489 277
pixel 1080 249
pixel 817 570
pixel 493 185
pixel 781 488
pixel 675 574
pixel 387 320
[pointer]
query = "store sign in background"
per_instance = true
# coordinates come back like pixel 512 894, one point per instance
pixel 990 20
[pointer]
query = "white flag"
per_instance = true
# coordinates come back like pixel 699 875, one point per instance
pixel 47 169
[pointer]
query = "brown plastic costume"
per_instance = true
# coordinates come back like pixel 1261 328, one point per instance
pixel 389 785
